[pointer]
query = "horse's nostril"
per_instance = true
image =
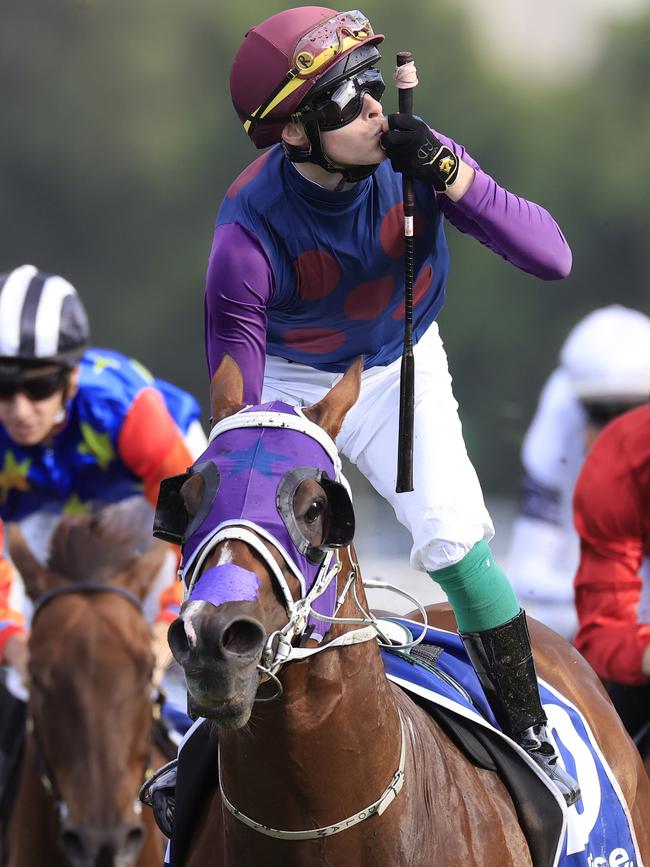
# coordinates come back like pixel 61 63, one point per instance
pixel 178 640
pixel 118 844
pixel 243 638
pixel 73 845
pixel 134 840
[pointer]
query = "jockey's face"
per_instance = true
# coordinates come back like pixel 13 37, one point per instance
pixel 28 417
pixel 357 143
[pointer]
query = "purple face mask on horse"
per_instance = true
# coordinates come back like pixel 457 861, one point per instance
pixel 248 476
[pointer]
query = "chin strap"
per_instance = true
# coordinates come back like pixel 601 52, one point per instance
pixel 314 153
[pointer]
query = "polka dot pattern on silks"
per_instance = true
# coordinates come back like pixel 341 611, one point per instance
pixel 369 300
pixel 317 274
pixel 420 289
pixel 335 271
pixel 247 176
pixel 319 341
pixel 391 230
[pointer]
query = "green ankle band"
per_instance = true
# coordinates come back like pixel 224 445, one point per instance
pixel 478 591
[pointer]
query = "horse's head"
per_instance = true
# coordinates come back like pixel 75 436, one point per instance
pixel 90 669
pixel 259 515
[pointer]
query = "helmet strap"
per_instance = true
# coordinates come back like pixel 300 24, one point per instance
pixel 315 153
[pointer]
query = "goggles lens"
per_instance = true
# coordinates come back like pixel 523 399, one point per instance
pixel 329 39
pixel 34 387
pixel 343 104
pixel 600 414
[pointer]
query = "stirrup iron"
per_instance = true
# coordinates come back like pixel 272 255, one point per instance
pixel 159 793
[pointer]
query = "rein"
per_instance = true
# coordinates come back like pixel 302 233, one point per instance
pixel 82 589
pixel 47 778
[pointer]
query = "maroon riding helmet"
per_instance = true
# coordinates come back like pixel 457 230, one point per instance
pixel 283 59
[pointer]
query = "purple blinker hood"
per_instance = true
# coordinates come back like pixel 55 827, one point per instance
pixel 252 462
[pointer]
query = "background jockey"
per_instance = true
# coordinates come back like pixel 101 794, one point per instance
pixel 79 428
pixel 604 370
pixel 306 274
pixel 612 515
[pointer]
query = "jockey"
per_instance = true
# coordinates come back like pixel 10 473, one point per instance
pixel 604 370
pixel 612 585
pixel 306 274
pixel 79 428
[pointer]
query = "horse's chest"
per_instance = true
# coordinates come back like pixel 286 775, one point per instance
pixel 409 837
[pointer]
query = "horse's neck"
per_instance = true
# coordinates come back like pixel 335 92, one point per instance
pixel 337 719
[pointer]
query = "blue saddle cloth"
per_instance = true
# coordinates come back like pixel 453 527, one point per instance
pixel 595 831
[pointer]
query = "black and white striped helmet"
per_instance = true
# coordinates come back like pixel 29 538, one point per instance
pixel 41 318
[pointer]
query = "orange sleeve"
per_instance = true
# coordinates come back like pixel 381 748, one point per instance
pixel 170 602
pixel 11 621
pixel 152 446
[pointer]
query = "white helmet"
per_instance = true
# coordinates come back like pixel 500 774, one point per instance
pixel 42 319
pixel 607 356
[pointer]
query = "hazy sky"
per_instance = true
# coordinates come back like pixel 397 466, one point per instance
pixel 547 38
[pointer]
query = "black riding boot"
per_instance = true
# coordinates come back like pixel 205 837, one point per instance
pixel 503 660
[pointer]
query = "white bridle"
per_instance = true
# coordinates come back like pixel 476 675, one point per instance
pixel 259 538
pixel 279 648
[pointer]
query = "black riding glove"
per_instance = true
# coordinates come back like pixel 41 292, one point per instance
pixel 414 150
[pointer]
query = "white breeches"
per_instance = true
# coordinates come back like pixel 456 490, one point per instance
pixel 445 512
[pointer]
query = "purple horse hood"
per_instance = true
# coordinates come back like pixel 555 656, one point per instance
pixel 251 464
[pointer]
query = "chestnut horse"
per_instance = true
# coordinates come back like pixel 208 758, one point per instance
pixel 343 768
pixel 88 743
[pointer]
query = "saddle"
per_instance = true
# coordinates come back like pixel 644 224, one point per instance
pixel 438 676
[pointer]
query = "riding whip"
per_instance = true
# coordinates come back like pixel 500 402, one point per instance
pixel 406 81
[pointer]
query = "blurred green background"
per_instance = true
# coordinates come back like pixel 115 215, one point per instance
pixel 118 141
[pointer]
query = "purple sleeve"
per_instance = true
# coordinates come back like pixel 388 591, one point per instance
pixel 522 232
pixel 239 285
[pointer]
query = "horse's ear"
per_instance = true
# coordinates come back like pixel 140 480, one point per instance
pixel 140 576
pixel 226 389
pixel 36 577
pixel 330 412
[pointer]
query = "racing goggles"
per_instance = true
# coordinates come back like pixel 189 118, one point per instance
pixel 34 387
pixel 343 104
pixel 600 414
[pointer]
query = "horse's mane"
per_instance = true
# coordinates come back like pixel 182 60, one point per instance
pixel 97 547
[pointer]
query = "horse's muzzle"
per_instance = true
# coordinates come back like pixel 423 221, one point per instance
pixel 218 650
pixel 87 846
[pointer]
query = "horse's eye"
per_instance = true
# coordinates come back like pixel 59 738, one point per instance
pixel 314 512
